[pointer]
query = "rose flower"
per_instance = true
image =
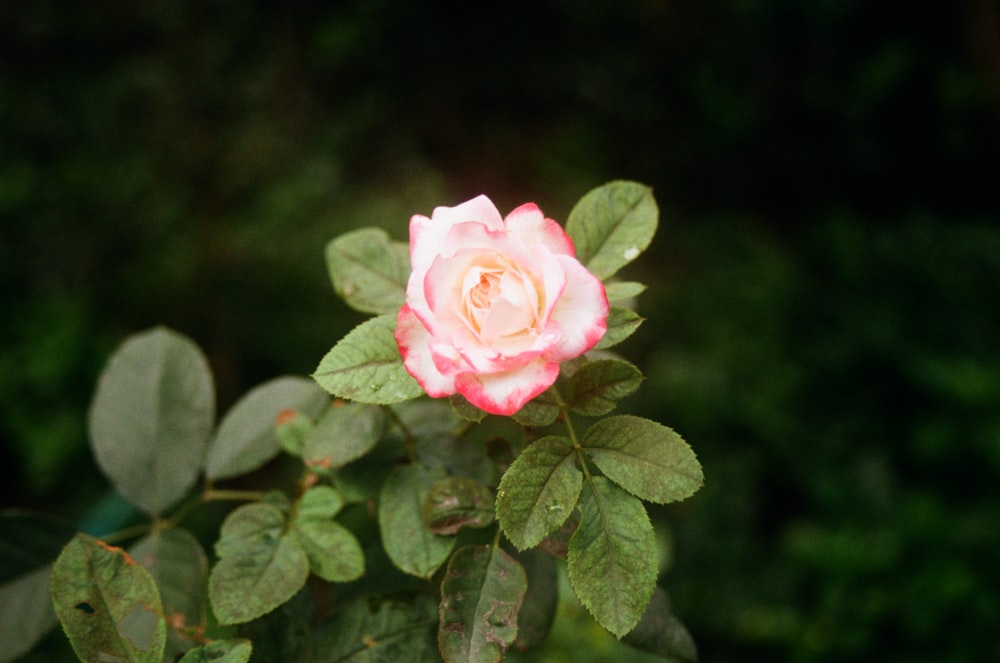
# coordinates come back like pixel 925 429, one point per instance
pixel 493 305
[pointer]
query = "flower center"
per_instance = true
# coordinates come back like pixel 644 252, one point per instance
pixel 499 301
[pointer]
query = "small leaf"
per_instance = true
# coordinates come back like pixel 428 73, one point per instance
pixel 333 551
pixel 621 290
pixel 612 559
pixel 481 594
pixel 538 611
pixel 365 366
pixel 612 225
pixel 542 410
pixel 597 387
pixel 345 432
pixel 645 458
pixel 221 651
pixel 369 271
pixel 410 544
pixel 259 567
pixel 107 603
pixel 374 630
pixel 29 541
pixel 622 323
pixel 538 491
pixel 177 563
pixel 660 632
pixel 26 613
pixel 466 410
pixel 152 416
pixel 458 502
pixel 291 428
pixel 246 438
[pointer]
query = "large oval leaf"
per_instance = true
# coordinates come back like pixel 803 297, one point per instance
pixel 481 594
pixel 246 438
pixel 410 544
pixel 369 270
pixel 152 416
pixel 108 604
pixel 612 560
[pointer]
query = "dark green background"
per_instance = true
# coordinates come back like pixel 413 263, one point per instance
pixel 824 287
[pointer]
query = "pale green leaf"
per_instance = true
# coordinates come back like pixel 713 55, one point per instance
pixel 291 429
pixel 481 594
pixel 26 613
pixel 260 566
pixel 369 270
pixel 345 432
pixel 365 366
pixel 618 291
pixel 246 438
pixel 410 544
pixel 660 632
pixel 152 416
pixel 179 566
pixel 622 323
pixel 236 650
pixel 538 491
pixel 596 387
pixel 108 604
pixel 612 560
pixel 611 225
pixel 644 457
pixel 458 502
pixel 333 551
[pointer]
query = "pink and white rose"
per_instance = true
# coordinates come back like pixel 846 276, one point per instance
pixel 494 304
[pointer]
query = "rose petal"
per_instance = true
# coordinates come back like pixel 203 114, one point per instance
pixel 506 393
pixel 581 312
pixel 530 226
pixel 428 235
pixel 414 345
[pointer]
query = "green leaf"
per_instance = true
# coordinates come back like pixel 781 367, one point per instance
pixel 622 290
pixel 291 428
pixel 108 604
pixel 457 502
pixel 644 457
pixel 369 271
pixel 26 613
pixel 542 410
pixel 246 438
pixel 374 630
pixel 345 432
pixel 410 544
pixel 333 551
pixel 259 567
pixel 538 491
pixel 365 366
pixel 597 387
pixel 466 410
pixel 612 559
pixel 221 651
pixel 151 418
pixel 622 323
pixel 612 225
pixel 481 594
pixel 660 632
pixel 29 541
pixel 177 563
pixel 538 611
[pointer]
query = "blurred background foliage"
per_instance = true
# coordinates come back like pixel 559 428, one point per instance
pixel 823 316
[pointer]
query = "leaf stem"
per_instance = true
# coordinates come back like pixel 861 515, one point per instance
pixel 215 495
pixel 409 441
pixel 564 408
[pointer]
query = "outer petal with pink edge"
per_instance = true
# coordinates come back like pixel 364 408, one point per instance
pixel 414 345
pixel 530 226
pixel 581 312
pixel 506 393
pixel 428 235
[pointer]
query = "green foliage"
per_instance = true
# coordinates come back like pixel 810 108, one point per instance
pixel 107 603
pixel 365 366
pixel 400 504
pixel 481 595
pixel 622 323
pixel 152 417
